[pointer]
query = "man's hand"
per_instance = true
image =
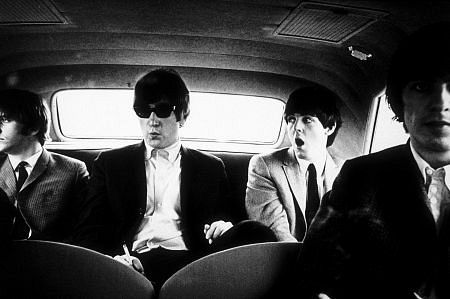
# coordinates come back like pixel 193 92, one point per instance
pixel 130 261
pixel 216 229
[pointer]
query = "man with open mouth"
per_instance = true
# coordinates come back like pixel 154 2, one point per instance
pixel 285 187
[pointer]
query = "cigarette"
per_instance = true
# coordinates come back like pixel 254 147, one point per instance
pixel 127 252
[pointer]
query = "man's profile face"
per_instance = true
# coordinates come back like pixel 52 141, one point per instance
pixel 427 113
pixel 12 141
pixel 307 135
pixel 158 131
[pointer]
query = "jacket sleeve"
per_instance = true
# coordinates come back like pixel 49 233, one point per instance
pixel 78 190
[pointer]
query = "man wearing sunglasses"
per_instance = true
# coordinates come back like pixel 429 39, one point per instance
pixel 163 201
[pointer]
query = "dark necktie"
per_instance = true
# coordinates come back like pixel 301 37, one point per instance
pixel 23 174
pixel 312 197
pixel 20 229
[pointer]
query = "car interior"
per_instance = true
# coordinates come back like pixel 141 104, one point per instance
pixel 239 59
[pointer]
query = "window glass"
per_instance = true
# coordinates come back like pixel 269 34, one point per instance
pixel 387 131
pixel 101 113
pixel 108 113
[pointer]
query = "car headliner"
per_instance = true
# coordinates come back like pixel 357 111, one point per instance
pixel 226 46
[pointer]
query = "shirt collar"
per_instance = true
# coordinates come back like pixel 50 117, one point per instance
pixel 173 151
pixel 318 164
pixel 31 160
pixel 422 164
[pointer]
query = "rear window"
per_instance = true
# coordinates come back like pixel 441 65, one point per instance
pixel 215 118
pixel 387 131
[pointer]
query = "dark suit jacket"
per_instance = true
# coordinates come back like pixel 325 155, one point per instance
pixel 374 236
pixel 7 212
pixel 51 198
pixel 117 198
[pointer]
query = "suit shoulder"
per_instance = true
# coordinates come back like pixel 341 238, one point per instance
pixel 379 161
pixel 121 151
pixel 65 160
pixel 276 156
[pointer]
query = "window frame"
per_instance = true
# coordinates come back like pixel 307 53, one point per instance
pixel 371 128
pixel 62 141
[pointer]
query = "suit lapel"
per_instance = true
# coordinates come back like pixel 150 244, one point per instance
pixel 331 171
pixel 292 172
pixel 186 176
pixel 416 178
pixel 39 168
pixel 407 190
pixel 135 176
pixel 8 178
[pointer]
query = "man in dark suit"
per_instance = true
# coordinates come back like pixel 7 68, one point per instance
pixel 383 230
pixel 45 190
pixel 165 202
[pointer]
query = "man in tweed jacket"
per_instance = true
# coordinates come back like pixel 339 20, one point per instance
pixel 47 204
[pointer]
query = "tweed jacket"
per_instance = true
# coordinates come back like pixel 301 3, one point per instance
pixel 374 236
pixel 117 198
pixel 273 185
pixel 50 200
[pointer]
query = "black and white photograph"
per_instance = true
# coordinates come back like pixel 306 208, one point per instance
pixel 225 149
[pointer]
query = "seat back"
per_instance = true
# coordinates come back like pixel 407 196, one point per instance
pixel 42 269
pixel 250 271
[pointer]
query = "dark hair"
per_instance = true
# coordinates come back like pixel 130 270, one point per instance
pixel 28 109
pixel 162 84
pixel 317 101
pixel 421 56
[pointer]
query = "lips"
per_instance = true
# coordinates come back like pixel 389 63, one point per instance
pixel 154 134
pixel 299 141
pixel 437 123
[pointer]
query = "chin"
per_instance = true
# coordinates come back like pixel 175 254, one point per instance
pixel 300 152
pixel 155 144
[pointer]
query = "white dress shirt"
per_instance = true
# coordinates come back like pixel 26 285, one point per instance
pixel 320 169
pixel 438 189
pixel 161 223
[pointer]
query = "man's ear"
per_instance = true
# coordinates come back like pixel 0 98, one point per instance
pixel 31 132
pixel 330 130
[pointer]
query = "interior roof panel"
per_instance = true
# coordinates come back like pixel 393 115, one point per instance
pixel 228 35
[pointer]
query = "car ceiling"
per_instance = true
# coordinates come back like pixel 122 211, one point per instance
pixel 258 47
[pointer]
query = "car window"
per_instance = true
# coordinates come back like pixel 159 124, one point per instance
pixel 387 132
pixel 215 118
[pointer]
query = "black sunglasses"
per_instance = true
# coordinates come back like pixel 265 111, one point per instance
pixel 161 110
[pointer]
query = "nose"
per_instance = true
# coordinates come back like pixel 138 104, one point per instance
pixel 299 125
pixel 441 100
pixel 445 94
pixel 153 120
